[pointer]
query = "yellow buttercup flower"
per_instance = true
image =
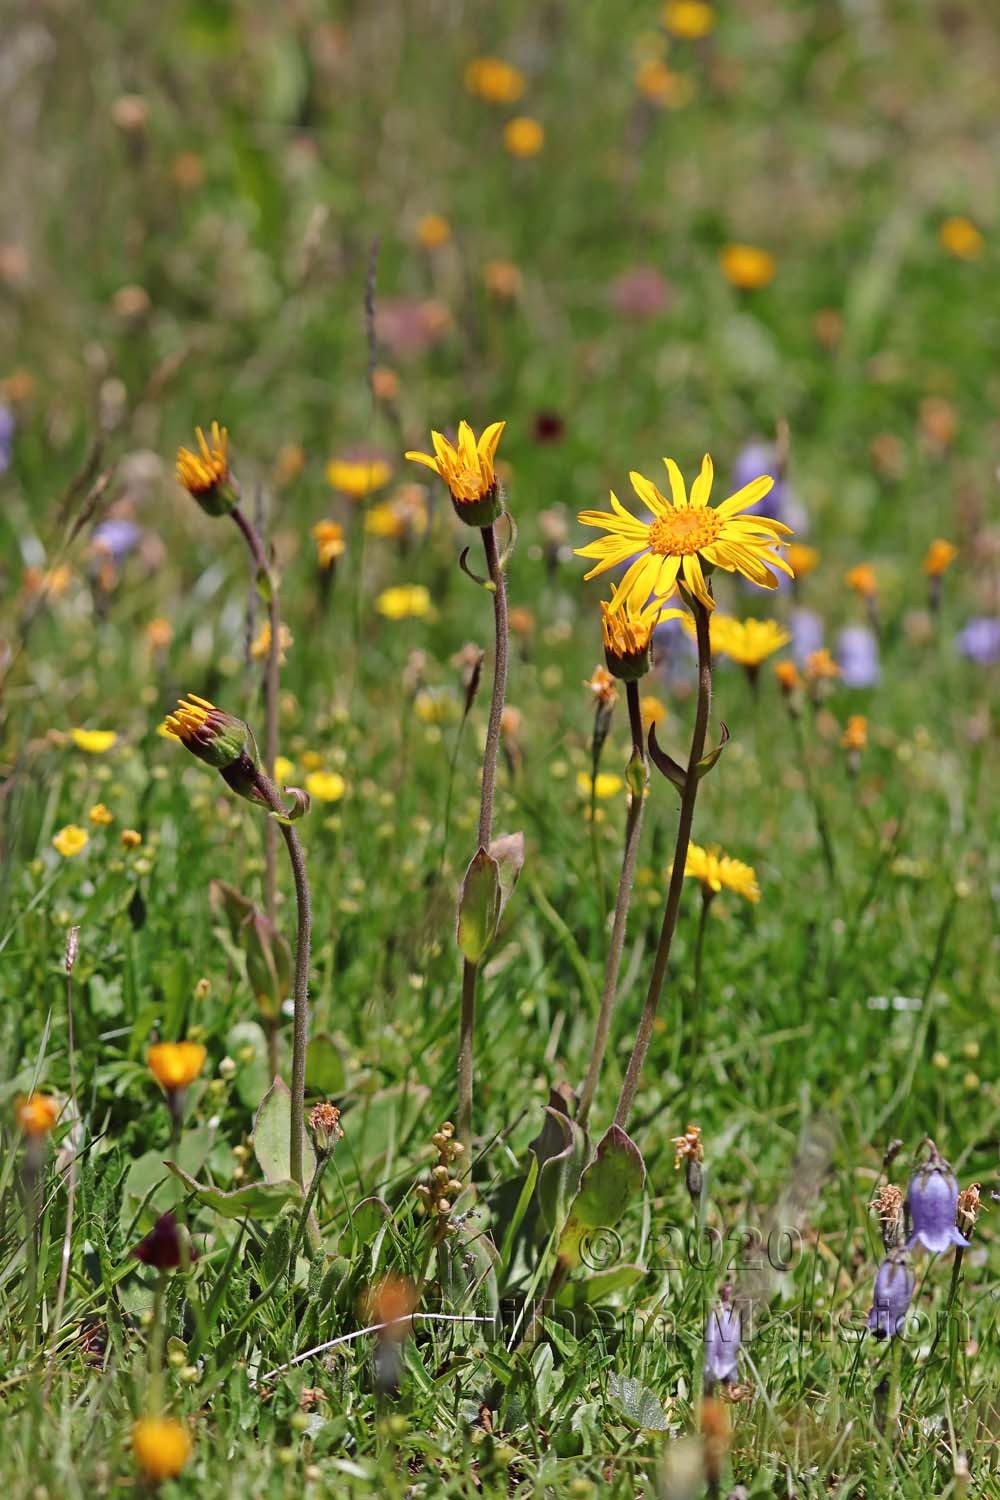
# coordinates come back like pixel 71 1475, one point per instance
pixel 433 231
pixel 94 741
pixel 100 816
pixel 358 477
pixel 205 474
pixel 523 136
pixel 689 19
pixel 604 785
pixel 628 633
pixel 960 237
pixel 330 544
pixel 718 872
pixel 467 469
pixel 494 80
pixel 161 1446
pixel 747 267
pixel 70 840
pixel 326 786
pixel 284 769
pixel 36 1114
pixel 802 560
pixel 940 555
pixel 748 642
pixel 683 535
pixel 175 1064
pixel 404 602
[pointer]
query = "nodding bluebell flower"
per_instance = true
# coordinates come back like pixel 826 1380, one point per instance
pixel 980 641
pixel 8 426
pixel 722 1342
pixel 807 632
pixel 857 654
pixel 932 1200
pixel 893 1290
pixel 753 460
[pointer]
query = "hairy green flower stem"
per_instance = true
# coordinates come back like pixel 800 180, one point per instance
pixel 688 798
pixel 268 793
pixel 470 971
pixel 272 687
pixel 633 829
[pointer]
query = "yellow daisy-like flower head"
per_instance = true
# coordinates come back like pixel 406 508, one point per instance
pixel 748 642
pixel 689 19
pixel 358 477
pixel 36 1114
pixel 94 741
pixel 718 872
pixel 747 267
pixel 940 555
pixel 803 560
pixel 604 785
pixel 100 816
pixel 175 1064
pixel 493 79
pixel 206 475
pixel 219 739
pixel 523 136
pixel 960 237
pixel 325 786
pixel 855 736
pixel 861 578
pixel 406 601
pixel 70 840
pixel 684 536
pixel 628 635
pixel 467 469
pixel 330 544
pixel 161 1447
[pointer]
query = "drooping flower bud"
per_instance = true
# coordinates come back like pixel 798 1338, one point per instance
pixel 932 1200
pixel 722 1342
pixel 893 1290
pixel 218 739
pixel 166 1247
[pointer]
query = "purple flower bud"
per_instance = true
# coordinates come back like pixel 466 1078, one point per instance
pixel 857 653
pixel 807 632
pixel 932 1200
pixel 722 1342
pixel 116 537
pixel 893 1290
pixel 753 460
pixel 980 641
pixel 166 1246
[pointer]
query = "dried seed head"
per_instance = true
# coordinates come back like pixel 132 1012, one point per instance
pixel 324 1122
pixel 889 1207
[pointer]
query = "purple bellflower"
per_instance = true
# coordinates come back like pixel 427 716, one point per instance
pixel 932 1200
pixel 722 1342
pixel 893 1290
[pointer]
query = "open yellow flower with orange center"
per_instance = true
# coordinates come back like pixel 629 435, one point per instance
pixel 718 872
pixel 175 1064
pixel 94 741
pixel 628 635
pixel 748 642
pixel 161 1447
pixel 467 469
pixel 747 267
pixel 493 79
pixel 684 536
pixel 940 555
pixel 205 474
pixel 358 477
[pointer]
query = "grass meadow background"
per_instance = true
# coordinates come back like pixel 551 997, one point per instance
pixel 300 221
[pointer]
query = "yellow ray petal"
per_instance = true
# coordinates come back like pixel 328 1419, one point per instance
pixel 702 487
pixel 677 490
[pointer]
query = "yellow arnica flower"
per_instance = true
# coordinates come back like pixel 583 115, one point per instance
pixel 605 785
pixel 385 521
pixel 494 80
pixel 940 555
pixel 404 602
pixel 960 237
pixel 284 769
pixel 175 1064
pixel 718 872
pixel 94 741
pixel 690 19
pixel 803 560
pixel 100 816
pixel 748 642
pixel 358 477
pixel 161 1446
pixel 628 632
pixel 205 474
pixel 523 136
pixel 326 786
pixel 747 267
pixel 652 711
pixel 862 580
pixel 36 1114
pixel 467 469
pixel 433 231
pixel 70 840
pixel 330 544
pixel 683 535
pixel 855 736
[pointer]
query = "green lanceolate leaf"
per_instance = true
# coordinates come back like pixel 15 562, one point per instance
pixel 614 1179
pixel 272 1136
pixel 479 906
pixel 559 1175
